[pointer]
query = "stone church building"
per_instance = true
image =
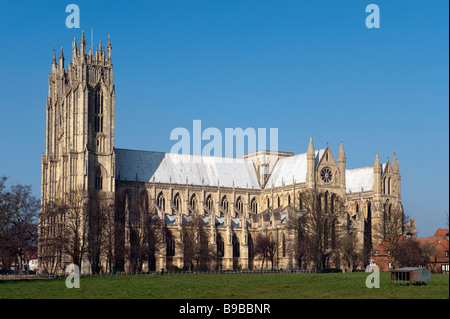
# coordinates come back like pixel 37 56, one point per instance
pixel 236 200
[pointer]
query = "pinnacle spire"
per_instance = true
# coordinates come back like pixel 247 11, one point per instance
pixel 74 48
pixel 61 59
pixel 54 66
pixel 311 146
pixel 82 44
pixel 377 160
pixel 395 164
pixel 341 154
pixel 108 48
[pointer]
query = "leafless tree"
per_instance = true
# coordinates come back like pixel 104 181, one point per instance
pixel 154 239
pixel 300 247
pixel 136 250
pixel 265 247
pixel 351 257
pixel 118 247
pixel 428 252
pixel 18 228
pixel 139 233
pixel 109 232
pixel 51 237
pixel 6 250
pixel 389 228
pixel 98 215
pixel 198 255
pixel 74 216
pixel 318 229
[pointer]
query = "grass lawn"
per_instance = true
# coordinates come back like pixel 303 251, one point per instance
pixel 227 286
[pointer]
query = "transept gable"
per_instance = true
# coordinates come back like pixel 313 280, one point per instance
pixel 327 159
pixel 327 171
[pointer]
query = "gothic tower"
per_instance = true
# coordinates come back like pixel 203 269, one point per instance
pixel 80 124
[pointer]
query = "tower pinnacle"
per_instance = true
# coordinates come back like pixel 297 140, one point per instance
pixel 341 154
pixel 311 146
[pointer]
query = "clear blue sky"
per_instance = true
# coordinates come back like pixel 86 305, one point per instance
pixel 305 67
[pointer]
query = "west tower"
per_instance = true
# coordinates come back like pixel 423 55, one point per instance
pixel 79 153
pixel 80 123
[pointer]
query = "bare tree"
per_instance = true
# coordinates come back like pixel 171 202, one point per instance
pixel 109 232
pixel 153 237
pixel 119 232
pixel 300 247
pixel 198 255
pixel 318 229
pixel 351 257
pixel 99 208
pixel 74 237
pixel 389 228
pixel 18 224
pixel 51 237
pixel 139 233
pixel 6 249
pixel 23 211
pixel 428 253
pixel 265 247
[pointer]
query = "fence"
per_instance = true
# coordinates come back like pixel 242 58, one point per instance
pixel 163 272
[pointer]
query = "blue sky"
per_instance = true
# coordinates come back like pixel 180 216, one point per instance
pixel 304 67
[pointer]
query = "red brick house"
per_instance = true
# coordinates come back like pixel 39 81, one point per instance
pixel 435 251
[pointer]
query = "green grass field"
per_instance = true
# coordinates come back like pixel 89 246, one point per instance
pixel 227 286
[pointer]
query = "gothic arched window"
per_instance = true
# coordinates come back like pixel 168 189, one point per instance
pixel 254 205
pixel 225 204
pixel 240 204
pixel 177 201
pixel 98 180
pixel 161 202
pixel 193 202
pixel 236 247
pixel 209 202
